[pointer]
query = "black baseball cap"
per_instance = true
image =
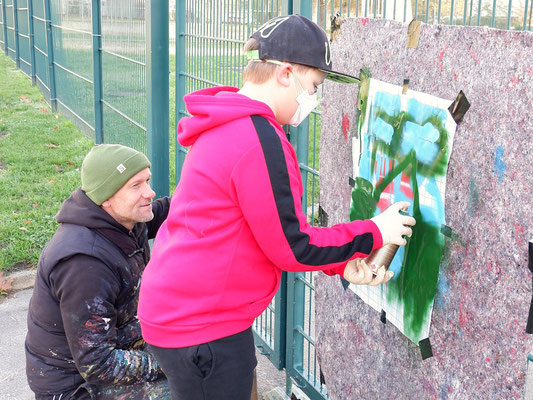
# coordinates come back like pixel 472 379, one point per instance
pixel 297 39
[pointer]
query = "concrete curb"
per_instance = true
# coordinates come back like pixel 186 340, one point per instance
pixel 24 279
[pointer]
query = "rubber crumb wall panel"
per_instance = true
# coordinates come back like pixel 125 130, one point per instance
pixel 483 294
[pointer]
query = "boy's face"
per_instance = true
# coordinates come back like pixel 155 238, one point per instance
pixel 309 79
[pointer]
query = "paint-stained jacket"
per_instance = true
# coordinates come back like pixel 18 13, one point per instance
pixel 235 222
pixel 82 324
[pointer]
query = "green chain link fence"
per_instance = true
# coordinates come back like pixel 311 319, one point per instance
pixel 209 38
pixel 89 58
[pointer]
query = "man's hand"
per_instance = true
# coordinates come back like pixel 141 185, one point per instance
pixel 359 273
pixel 393 225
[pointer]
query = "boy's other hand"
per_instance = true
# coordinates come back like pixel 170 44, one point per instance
pixel 359 272
pixel 393 225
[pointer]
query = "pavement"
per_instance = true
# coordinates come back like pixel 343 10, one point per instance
pixel 13 311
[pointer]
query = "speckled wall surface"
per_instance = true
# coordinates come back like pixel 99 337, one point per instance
pixel 477 333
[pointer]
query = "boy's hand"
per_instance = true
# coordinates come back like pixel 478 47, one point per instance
pixel 359 273
pixel 393 225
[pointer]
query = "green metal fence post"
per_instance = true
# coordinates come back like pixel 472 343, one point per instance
pixel 300 142
pixel 16 31
pixel 493 22
pixel 297 283
pixel 97 71
pixel 4 22
pixel 525 16
pixel 157 93
pixel 300 135
pixel 50 55
pixel 303 7
pixel 32 42
pixel 295 342
pixel 180 81
pixel 295 294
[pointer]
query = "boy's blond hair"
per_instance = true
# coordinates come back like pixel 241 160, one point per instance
pixel 260 71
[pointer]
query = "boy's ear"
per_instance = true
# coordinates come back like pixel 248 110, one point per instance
pixel 283 74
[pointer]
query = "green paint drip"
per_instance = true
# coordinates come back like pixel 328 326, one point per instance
pixel 416 284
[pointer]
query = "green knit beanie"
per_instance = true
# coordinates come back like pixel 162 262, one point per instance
pixel 107 168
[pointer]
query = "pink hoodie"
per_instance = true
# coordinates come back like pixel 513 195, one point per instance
pixel 235 222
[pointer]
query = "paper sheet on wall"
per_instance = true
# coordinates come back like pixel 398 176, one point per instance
pixel 402 153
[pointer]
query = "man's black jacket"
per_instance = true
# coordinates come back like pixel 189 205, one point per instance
pixel 82 324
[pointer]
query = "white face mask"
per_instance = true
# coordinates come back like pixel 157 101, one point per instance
pixel 306 104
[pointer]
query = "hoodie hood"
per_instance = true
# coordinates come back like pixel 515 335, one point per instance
pixel 216 106
pixel 78 209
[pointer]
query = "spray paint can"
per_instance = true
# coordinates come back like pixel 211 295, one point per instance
pixel 384 255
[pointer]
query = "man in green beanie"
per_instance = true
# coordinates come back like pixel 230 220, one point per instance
pixel 84 340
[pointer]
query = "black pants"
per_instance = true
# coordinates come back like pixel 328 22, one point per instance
pixel 219 370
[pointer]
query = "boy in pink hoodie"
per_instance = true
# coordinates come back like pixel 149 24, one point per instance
pixel 236 220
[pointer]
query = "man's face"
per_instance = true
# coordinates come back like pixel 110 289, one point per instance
pixel 133 202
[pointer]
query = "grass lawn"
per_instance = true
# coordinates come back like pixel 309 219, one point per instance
pixel 40 159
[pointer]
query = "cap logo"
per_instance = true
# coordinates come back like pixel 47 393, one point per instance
pixel 327 55
pixel 269 27
pixel 121 168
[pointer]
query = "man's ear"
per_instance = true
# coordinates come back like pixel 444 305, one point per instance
pixel 106 204
pixel 283 74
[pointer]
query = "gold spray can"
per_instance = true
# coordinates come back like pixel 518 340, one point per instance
pixel 384 255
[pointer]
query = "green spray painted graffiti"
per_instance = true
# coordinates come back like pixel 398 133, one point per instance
pixel 404 150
